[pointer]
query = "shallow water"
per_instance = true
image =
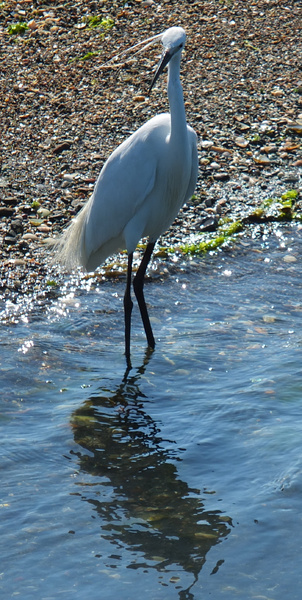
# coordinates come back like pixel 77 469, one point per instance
pixel 181 479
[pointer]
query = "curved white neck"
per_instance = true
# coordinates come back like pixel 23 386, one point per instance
pixel 176 101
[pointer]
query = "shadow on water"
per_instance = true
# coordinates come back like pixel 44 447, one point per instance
pixel 142 503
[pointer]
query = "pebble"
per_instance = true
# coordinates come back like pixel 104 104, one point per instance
pixel 30 237
pixel 273 173
pixel 44 228
pixel 209 224
pixel 277 92
pixel 43 212
pixel 10 239
pixel 241 142
pixel 290 178
pixel 11 200
pixel 221 150
pixel 17 226
pixel 69 176
pixel 289 258
pixel 221 176
pixel 205 144
pixel 61 147
pixel 289 147
pixel 18 262
pixel 36 222
pixel 269 149
pixel 139 98
pixel 6 211
pixel 32 25
pixel 262 160
pixel 295 127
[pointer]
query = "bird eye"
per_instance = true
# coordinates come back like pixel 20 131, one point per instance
pixel 180 45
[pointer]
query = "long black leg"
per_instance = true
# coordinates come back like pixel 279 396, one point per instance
pixel 138 284
pixel 128 304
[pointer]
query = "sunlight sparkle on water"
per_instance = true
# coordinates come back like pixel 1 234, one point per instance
pixel 26 346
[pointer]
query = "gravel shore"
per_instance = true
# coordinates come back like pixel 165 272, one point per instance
pixel 63 110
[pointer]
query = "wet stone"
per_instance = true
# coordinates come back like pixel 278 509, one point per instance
pixel 209 202
pixel 11 233
pixel 241 142
pixel 43 213
pixel 17 226
pixel 290 178
pixel 63 146
pixel 6 211
pixel 10 200
pixel 206 144
pixel 221 176
pixel 30 237
pixel 56 216
pixel 10 239
pixel 209 224
pixel 69 177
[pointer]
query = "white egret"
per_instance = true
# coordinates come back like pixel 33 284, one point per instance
pixel 140 189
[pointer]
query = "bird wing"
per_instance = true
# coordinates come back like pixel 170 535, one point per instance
pixel 118 213
pixel 126 180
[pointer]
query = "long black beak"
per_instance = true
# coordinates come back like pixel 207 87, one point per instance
pixel 166 57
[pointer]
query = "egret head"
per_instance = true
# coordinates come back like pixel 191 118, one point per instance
pixel 173 41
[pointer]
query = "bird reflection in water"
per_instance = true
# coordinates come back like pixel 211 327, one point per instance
pixel 151 510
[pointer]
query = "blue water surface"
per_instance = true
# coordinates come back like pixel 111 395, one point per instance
pixel 179 479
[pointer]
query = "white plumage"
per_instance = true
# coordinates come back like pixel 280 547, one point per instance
pixel 140 189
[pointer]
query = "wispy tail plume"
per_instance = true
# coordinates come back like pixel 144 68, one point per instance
pixel 69 248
